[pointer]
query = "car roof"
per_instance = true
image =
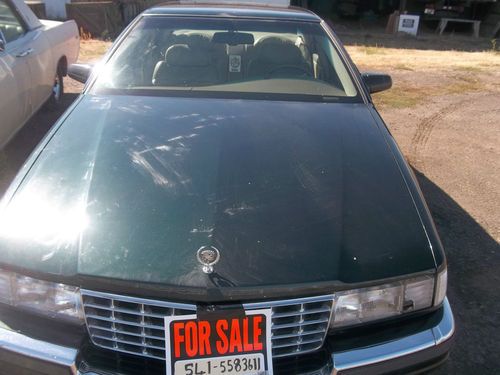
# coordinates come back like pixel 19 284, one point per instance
pixel 233 11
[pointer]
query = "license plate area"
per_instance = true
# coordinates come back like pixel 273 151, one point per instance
pixel 234 365
pixel 219 342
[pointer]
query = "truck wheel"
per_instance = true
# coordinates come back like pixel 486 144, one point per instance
pixel 57 92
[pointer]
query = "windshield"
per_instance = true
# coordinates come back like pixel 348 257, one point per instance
pixel 238 56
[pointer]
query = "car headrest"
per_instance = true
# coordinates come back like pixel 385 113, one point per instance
pixel 193 40
pixel 275 50
pixel 185 56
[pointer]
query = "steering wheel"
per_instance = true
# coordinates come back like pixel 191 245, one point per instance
pixel 296 68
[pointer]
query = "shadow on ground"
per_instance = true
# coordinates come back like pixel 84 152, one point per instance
pixel 473 280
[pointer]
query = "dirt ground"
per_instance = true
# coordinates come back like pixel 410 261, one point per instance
pixel 444 111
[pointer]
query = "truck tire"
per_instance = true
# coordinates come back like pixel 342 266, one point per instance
pixel 54 102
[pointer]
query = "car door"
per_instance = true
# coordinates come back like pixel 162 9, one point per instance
pixel 41 67
pixel 37 51
pixel 15 76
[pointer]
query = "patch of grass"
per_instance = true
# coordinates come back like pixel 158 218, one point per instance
pixel 469 68
pixel 84 35
pixel 399 98
pixel 374 51
pixel 92 49
pixel 406 95
pixel 463 85
pixel 403 67
pixel 490 65
pixel 467 78
pixel 425 61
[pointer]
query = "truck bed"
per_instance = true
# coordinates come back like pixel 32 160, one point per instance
pixel 64 39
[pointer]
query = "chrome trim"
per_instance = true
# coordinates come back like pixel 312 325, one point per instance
pixel 329 297
pixel 38 350
pixel 208 265
pixel 144 301
pixel 287 302
pixel 299 325
pixel 91 328
pixel 445 329
pixel 20 344
pixel 2 38
pixel 291 335
pixel 120 321
pixel 397 348
pixel 291 325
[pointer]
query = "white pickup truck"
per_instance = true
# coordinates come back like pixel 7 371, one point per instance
pixel 34 56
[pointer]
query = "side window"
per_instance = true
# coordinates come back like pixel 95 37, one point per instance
pixel 10 24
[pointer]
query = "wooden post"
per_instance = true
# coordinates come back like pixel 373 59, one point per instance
pixel 402 6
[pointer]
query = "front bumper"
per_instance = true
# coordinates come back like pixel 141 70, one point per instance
pixel 426 345
pixel 419 351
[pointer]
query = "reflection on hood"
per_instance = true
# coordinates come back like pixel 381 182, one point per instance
pixel 131 187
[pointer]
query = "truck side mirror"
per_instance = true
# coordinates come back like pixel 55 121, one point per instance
pixel 80 72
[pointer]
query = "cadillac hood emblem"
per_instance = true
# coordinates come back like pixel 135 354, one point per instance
pixel 208 256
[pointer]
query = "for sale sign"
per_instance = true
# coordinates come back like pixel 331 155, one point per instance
pixel 223 342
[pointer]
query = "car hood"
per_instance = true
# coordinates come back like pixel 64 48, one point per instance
pixel 130 187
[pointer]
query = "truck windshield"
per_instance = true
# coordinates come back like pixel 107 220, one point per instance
pixel 227 56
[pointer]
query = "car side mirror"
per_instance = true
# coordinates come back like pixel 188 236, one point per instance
pixel 80 72
pixel 2 45
pixel 377 82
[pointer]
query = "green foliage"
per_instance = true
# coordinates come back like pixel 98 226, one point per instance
pixel 375 51
pixel 494 46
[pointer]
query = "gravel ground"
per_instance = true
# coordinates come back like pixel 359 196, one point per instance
pixel 444 111
pixel 454 149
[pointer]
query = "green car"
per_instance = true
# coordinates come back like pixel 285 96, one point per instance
pixel 222 198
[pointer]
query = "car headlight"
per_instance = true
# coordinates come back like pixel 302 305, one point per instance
pixel 441 286
pixel 374 303
pixel 42 297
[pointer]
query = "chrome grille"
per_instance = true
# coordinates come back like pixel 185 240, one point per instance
pixel 136 326
pixel 298 325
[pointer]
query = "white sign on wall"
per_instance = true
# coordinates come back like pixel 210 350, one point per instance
pixel 56 9
pixel 408 24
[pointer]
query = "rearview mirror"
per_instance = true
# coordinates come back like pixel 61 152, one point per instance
pixel 233 38
pixel 376 82
pixel 80 72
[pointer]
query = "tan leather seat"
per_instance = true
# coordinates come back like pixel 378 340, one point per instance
pixel 275 57
pixel 185 66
